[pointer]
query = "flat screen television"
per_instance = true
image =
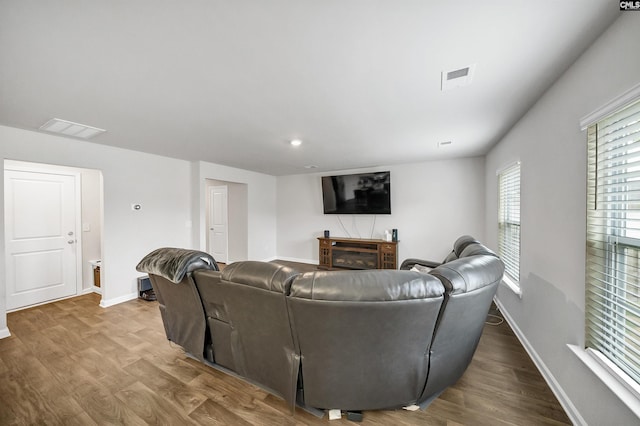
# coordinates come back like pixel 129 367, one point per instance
pixel 361 193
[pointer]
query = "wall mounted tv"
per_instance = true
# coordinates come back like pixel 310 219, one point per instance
pixel 362 193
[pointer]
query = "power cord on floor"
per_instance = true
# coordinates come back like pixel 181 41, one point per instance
pixel 494 317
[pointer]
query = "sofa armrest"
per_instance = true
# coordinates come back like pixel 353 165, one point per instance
pixel 409 263
pixel 175 263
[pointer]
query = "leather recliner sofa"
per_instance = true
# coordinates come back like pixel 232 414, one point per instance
pixel 349 340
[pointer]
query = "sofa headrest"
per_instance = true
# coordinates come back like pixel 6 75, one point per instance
pixel 469 273
pixel 462 242
pixel 263 275
pixel 174 263
pixel 369 286
pixel 476 249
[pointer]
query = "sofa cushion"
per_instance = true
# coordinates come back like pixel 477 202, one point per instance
pixel 369 285
pixel 256 339
pixel 469 273
pixel 476 249
pixel 263 275
pixel 461 243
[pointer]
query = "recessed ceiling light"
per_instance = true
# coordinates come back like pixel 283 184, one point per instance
pixel 69 128
pixel 444 143
pixel 296 142
pixel 310 166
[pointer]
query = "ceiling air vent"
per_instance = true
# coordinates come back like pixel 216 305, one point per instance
pixel 457 78
pixel 69 128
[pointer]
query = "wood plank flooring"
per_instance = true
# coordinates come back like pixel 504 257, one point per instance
pixel 72 362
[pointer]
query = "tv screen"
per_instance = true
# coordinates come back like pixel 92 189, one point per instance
pixel 362 193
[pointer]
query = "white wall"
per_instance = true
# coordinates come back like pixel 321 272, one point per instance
pixel 432 204
pixel 261 207
pixel 238 226
pixel 552 149
pixel 160 184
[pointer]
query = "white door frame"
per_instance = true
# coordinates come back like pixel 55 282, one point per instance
pixel 53 169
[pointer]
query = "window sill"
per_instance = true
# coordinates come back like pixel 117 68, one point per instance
pixel 512 285
pixel 615 379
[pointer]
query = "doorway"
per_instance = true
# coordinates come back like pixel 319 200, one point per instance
pixel 53 228
pixel 236 212
pixel 218 239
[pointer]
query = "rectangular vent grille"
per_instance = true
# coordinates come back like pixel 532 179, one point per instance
pixel 69 128
pixel 457 78
pixel 458 73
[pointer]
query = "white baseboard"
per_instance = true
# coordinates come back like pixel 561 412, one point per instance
pixel 4 332
pixel 110 302
pixel 92 289
pixel 555 387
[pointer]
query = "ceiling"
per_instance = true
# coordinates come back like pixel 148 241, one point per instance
pixel 232 82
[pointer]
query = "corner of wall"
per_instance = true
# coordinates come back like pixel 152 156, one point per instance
pixel 4 332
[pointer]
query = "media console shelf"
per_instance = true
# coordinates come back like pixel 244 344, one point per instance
pixel 355 253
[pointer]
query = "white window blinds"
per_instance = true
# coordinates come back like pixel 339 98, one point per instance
pixel 509 220
pixel 613 239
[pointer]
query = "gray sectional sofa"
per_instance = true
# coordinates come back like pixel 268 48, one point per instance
pixel 348 340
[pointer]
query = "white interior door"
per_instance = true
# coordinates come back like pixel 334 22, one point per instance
pixel 40 237
pixel 218 223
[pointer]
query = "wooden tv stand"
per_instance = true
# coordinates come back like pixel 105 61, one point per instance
pixel 356 253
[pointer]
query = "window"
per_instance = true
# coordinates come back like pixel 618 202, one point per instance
pixel 509 220
pixel 613 239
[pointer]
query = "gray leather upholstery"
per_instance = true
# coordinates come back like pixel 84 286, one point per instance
pixel 471 282
pixel 180 306
pixel 352 340
pixel 476 249
pixel 471 273
pixel 249 323
pixel 461 243
pixel 370 285
pixel 458 247
pixel 218 349
pixel 364 336
pixel 267 276
pixel 181 311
